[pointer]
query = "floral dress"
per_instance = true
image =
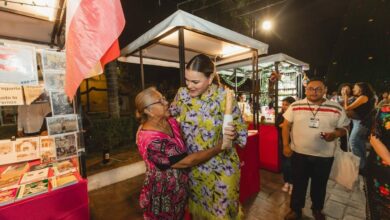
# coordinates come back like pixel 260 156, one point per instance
pixel 214 184
pixel 164 194
pixel 378 175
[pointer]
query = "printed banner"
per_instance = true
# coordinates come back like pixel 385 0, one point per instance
pixel 18 65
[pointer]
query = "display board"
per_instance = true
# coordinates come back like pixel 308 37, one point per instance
pixel 39 162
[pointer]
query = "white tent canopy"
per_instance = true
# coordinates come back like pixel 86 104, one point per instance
pixel 31 21
pixel 160 45
pixel 266 61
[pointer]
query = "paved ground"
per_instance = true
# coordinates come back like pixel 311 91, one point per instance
pixel 120 201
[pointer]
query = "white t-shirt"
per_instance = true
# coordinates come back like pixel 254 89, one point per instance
pixel 30 117
pixel 306 138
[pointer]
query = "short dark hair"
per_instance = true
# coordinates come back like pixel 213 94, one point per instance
pixel 342 85
pixel 318 79
pixel 289 99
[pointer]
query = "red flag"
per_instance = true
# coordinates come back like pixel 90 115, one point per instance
pixel 92 31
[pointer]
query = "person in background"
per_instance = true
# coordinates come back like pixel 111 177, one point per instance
pixel 345 89
pixel 199 108
pixel 286 162
pixel 314 122
pixel 244 107
pixel 31 119
pixel 378 167
pixel 165 190
pixel 385 100
pixel 333 96
pixel 360 111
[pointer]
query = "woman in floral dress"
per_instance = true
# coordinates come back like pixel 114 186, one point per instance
pixel 165 190
pixel 199 108
pixel 378 164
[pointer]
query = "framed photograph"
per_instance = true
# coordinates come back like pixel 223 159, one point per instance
pixel 47 149
pixel 27 148
pixel 66 145
pixel 7 152
pixel 62 124
pixel 18 65
pixel 54 80
pixel 60 104
pixel 53 60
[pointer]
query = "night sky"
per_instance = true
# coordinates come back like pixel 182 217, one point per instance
pixel 342 40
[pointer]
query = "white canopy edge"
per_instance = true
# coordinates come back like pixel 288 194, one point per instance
pixel 268 60
pixel 183 19
pixel 148 61
pixel 36 46
pixel 163 63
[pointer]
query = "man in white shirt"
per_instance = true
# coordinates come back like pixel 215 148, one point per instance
pixel 313 124
pixel 31 118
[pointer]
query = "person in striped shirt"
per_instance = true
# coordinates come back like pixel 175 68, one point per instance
pixel 313 124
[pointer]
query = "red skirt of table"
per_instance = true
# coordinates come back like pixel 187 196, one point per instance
pixel 68 203
pixel 250 175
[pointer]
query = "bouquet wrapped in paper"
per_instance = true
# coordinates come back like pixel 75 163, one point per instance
pixel 226 143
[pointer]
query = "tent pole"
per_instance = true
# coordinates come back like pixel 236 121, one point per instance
pixel 256 64
pixel 182 57
pixel 142 69
pixel 235 77
pixel 82 157
pixel 299 83
pixel 276 104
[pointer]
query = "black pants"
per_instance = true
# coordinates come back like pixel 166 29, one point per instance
pixel 303 168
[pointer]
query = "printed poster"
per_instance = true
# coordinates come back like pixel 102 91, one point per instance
pixel 18 65
pixel 11 95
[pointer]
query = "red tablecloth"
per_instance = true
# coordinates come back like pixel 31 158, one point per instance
pixel 68 203
pixel 268 148
pixel 250 176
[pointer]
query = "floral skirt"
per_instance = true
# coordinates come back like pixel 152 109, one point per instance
pixel 164 194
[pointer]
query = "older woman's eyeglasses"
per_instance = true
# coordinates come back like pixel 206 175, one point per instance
pixel 162 101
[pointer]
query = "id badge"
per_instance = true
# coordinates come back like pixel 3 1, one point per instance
pixel 314 123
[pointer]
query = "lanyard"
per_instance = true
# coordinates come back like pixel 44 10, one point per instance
pixel 314 113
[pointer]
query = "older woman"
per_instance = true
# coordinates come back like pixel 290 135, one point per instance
pixel 199 108
pixel 165 190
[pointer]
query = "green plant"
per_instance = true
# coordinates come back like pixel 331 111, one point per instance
pixel 109 133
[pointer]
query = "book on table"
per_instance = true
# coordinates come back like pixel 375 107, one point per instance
pixel 9 182
pixel 15 170
pixel 41 166
pixel 7 196
pixel 64 167
pixel 32 189
pixel 64 180
pixel 35 175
